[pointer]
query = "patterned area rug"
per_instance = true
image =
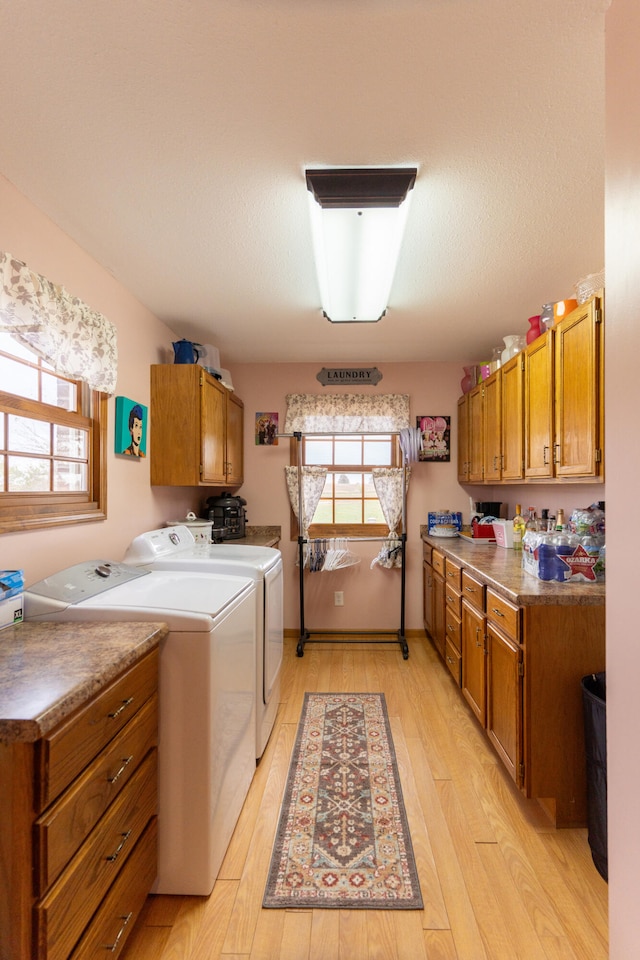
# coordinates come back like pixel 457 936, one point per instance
pixel 343 839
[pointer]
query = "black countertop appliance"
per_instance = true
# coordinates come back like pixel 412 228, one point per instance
pixel 228 511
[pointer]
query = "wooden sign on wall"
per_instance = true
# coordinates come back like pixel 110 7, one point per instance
pixel 346 376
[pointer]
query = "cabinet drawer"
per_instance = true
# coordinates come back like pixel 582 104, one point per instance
pixel 69 748
pixel 61 830
pixel 61 917
pixel 116 916
pixel 453 630
pixel 473 591
pixel 437 561
pixel 452 598
pixel 504 614
pixel 427 550
pixel 454 661
pixel 452 573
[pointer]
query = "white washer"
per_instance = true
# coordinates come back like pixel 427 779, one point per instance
pixel 175 548
pixel 206 745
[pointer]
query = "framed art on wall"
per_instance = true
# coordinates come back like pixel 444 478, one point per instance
pixel 267 429
pixel 130 428
pixel 435 438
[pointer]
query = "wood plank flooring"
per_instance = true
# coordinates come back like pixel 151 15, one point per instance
pixel 498 882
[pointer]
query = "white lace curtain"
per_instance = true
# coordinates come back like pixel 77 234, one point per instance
pixel 313 479
pixel 76 341
pixel 388 482
pixel 346 413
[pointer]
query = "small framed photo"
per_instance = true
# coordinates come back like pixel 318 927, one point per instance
pixel 131 428
pixel 436 433
pixel 266 429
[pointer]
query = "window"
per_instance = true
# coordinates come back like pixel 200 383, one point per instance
pixel 348 505
pixel 52 450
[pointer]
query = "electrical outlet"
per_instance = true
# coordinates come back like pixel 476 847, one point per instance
pixel 338 598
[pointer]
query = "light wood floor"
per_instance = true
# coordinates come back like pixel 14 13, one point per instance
pixel 497 881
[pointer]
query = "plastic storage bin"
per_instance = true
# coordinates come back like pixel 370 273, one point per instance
pixel 595 737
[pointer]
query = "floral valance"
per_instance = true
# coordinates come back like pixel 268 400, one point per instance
pixel 346 413
pixel 76 341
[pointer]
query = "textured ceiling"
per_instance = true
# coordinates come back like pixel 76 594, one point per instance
pixel 170 139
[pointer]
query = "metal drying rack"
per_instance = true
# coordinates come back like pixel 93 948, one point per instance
pixel 350 636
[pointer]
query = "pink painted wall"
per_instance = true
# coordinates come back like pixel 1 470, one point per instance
pixel 623 469
pixel 132 505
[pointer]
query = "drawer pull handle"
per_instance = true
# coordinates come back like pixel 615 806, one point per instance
pixel 449 659
pixel 497 612
pixel 112 947
pixel 123 706
pixel 125 763
pixel 114 856
pixel 470 589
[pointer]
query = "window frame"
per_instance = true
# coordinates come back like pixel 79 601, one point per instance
pixel 42 510
pixel 316 530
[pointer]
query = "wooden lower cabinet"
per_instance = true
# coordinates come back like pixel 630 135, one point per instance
pixel 504 700
pixel 474 661
pixel 79 806
pixel 519 667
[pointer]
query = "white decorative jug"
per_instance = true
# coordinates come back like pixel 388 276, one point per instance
pixel 512 344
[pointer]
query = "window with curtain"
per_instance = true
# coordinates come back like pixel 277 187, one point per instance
pixel 57 359
pixel 353 450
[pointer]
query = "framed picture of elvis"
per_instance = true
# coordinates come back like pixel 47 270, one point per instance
pixel 435 438
pixel 130 428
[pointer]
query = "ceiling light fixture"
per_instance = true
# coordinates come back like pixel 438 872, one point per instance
pixel 357 218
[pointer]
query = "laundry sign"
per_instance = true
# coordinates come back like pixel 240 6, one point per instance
pixel 345 376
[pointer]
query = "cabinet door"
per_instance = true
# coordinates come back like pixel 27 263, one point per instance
pixel 504 701
pixel 212 431
pixel 512 433
pixel 538 407
pixel 491 425
pixel 577 451
pixel 438 634
pixel 475 435
pixel 235 440
pixel 463 439
pixel 427 597
pixel 474 667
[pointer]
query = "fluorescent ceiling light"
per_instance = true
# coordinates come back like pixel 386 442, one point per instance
pixel 357 219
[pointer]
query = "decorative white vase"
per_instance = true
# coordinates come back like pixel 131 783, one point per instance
pixel 512 344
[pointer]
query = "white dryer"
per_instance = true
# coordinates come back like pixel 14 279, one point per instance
pixel 206 745
pixel 175 548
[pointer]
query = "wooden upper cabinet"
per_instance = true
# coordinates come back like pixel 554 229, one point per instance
pixel 211 468
pixel 512 424
pixel 538 407
pixel 196 428
pixel 463 438
pixel 234 441
pixel 476 438
pixel 563 398
pixel 492 427
pixel 578 346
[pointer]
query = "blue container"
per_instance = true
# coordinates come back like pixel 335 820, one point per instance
pixel 547 561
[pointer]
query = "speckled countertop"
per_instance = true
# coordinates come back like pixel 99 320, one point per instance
pixel 260 536
pixel 501 569
pixel 48 669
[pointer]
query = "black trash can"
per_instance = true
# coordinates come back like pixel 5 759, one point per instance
pixel 594 699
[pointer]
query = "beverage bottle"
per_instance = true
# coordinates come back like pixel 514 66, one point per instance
pixel 519 527
pixel 546 557
pixel 560 525
pixel 532 523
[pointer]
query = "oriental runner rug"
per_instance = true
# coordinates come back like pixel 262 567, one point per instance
pixel 343 839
